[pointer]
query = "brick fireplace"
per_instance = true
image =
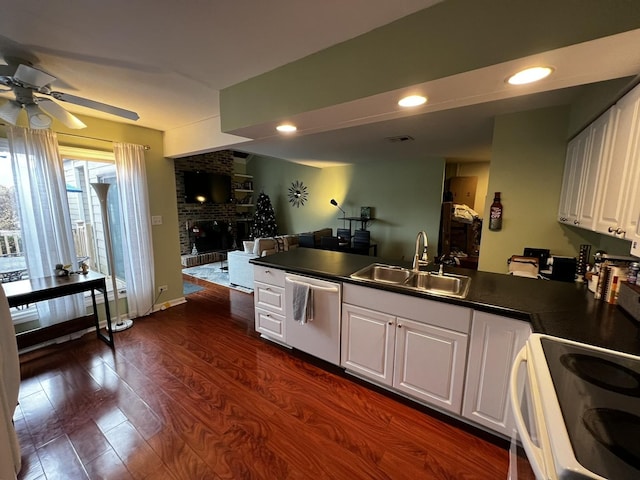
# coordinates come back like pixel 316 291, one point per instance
pixel 208 218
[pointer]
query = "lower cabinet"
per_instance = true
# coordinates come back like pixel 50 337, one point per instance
pixel 268 297
pixel 495 341
pixel 422 359
pixel 430 363
pixel 368 341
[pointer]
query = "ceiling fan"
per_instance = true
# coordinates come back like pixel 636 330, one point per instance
pixel 29 83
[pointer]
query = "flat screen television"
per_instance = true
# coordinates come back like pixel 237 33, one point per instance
pixel 203 187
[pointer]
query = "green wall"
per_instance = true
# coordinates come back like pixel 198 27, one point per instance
pixel 527 163
pixel 446 39
pixel 161 179
pixel 404 196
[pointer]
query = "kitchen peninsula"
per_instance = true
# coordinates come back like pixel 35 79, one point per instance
pixel 562 309
pixel 390 333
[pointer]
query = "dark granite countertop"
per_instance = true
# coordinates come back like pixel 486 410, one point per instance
pixel 561 309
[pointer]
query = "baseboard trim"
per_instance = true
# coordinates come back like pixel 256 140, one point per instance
pixel 169 304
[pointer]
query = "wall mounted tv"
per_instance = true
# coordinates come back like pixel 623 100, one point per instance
pixel 203 187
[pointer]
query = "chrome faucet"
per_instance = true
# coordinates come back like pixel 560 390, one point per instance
pixel 421 258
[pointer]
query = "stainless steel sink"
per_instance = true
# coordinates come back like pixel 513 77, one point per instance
pixel 446 284
pixel 430 282
pixel 378 272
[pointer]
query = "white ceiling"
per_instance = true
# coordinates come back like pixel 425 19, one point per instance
pixel 168 61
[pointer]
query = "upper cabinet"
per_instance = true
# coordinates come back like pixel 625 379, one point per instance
pixel 586 155
pixel 602 170
pixel 570 198
pixel 632 217
pixel 615 184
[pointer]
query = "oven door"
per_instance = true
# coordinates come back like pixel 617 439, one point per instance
pixel 545 438
pixel 529 417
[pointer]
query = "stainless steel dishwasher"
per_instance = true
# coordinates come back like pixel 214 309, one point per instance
pixel 320 335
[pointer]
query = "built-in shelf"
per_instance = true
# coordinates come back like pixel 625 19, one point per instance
pixel 243 191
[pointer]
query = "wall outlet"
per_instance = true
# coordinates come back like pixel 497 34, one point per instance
pixel 162 288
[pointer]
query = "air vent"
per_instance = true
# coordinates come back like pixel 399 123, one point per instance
pixel 400 138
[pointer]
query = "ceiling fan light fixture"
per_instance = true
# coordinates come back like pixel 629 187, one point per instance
pixel 412 101
pixel 37 118
pixel 9 111
pixel 286 128
pixel 529 75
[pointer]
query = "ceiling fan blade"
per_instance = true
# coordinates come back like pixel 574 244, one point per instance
pixel 103 107
pixel 9 111
pixel 32 76
pixel 59 113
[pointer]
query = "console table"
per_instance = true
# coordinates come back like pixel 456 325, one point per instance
pixel 362 220
pixel 34 290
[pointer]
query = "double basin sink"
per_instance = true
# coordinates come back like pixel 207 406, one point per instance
pixel 430 282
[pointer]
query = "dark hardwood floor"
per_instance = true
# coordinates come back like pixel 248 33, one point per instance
pixel 192 393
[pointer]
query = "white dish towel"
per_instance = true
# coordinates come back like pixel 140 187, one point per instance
pixel 302 303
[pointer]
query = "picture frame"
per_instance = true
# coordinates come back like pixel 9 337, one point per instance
pixel 365 212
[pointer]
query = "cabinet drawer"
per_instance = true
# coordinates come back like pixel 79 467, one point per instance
pixel 269 297
pixel 269 275
pixel 269 323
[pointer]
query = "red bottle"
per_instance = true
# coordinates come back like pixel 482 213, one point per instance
pixel 495 213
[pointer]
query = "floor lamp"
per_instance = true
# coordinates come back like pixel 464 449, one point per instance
pixel 102 189
pixel 335 204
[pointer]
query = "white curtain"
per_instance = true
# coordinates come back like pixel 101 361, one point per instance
pixel 136 227
pixel 44 215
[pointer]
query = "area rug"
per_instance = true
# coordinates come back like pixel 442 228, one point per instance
pixel 188 288
pixel 214 273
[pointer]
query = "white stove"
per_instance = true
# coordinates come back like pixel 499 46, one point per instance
pixel 584 410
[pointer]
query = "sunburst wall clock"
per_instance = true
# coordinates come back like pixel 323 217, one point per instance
pixel 298 194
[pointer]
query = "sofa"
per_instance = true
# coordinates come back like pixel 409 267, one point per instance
pixel 241 271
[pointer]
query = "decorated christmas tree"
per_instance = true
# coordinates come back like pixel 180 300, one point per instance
pixel 264 220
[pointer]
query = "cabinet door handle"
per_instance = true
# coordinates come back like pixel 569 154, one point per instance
pixel 620 231
pixel 610 229
pixel 399 325
pixel 390 323
pixel 576 222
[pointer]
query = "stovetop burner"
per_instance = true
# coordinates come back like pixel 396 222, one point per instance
pixel 603 373
pixel 617 430
pixel 598 392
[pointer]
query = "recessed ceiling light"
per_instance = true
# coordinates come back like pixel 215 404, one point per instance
pixel 530 75
pixel 286 128
pixel 412 101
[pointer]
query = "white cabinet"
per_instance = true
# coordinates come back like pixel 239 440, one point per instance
pixel 430 363
pixel 368 340
pixel 615 185
pixel 269 302
pixel 570 199
pixel 587 154
pixel 600 135
pixel 416 346
pixel 632 215
pixel 495 341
